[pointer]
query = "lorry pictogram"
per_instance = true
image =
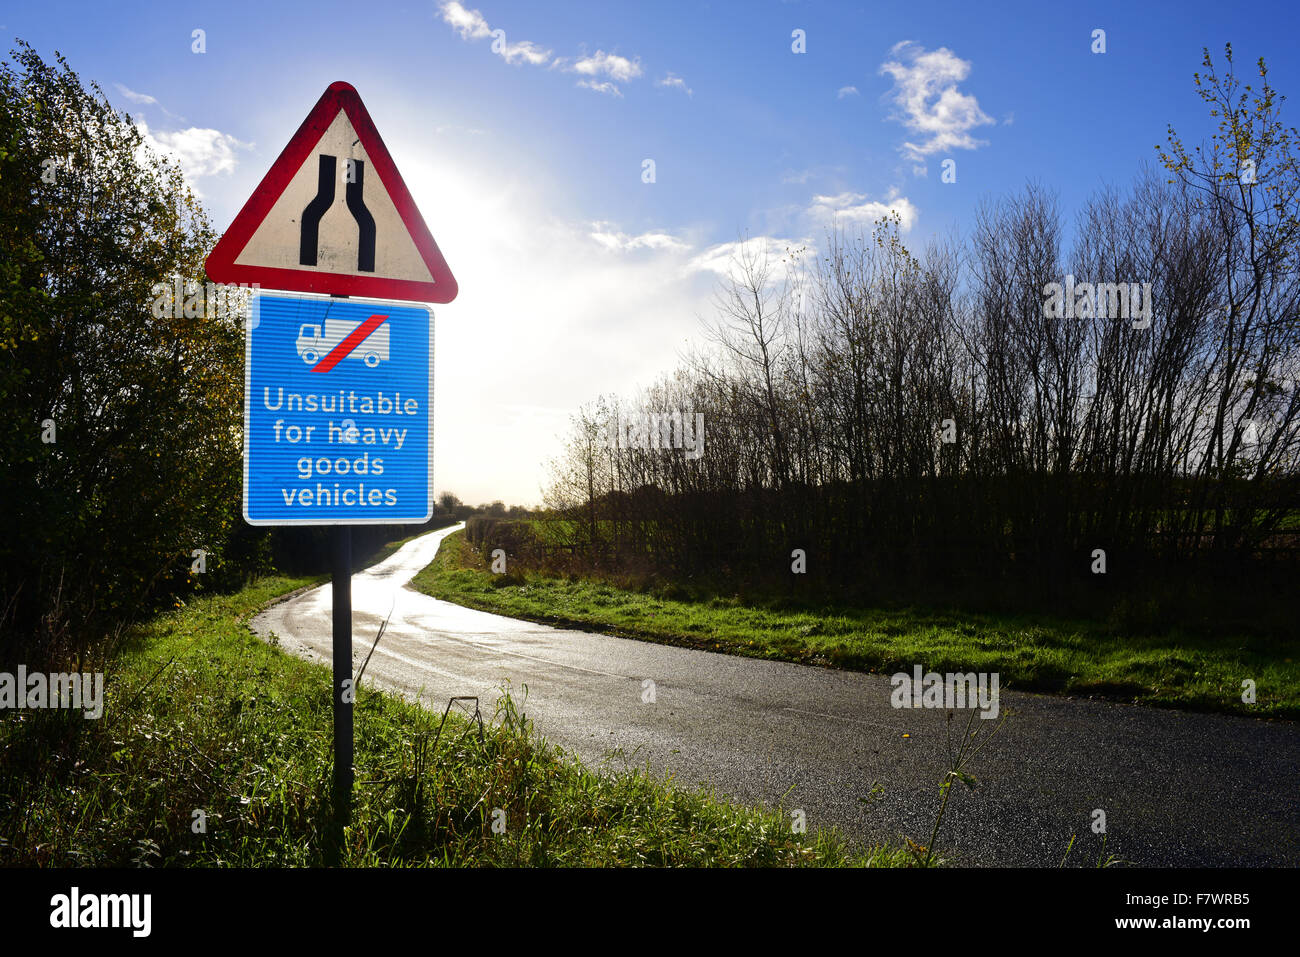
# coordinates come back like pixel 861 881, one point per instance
pixel 312 345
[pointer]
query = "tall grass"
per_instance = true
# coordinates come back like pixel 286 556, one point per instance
pixel 1135 657
pixel 214 750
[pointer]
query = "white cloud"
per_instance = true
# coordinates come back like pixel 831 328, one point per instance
pixel 617 241
pixel 135 97
pixel 144 99
pixel 472 25
pixel 199 152
pixel 720 258
pixel 929 103
pixel 603 70
pixel 849 207
pixel 608 64
pixel 604 87
pixel 677 83
pixel 525 51
pixel 847 91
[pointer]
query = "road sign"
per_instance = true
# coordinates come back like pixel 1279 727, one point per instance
pixel 333 216
pixel 338 393
pixel 338 412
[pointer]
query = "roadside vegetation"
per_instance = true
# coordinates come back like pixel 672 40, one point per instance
pixel 121 444
pixel 204 721
pixel 1127 658
pixel 1108 489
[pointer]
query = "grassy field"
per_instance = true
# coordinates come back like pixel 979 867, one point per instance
pixel 1029 652
pixel 206 723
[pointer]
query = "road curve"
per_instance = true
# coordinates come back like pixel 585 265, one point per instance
pixel 1177 788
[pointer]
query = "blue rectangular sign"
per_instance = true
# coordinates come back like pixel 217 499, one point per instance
pixel 338 412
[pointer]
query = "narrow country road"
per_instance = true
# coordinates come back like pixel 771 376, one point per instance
pixel 1176 788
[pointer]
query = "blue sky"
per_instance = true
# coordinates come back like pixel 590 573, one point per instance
pixel 576 276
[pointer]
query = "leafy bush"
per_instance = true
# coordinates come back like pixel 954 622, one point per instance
pixel 121 437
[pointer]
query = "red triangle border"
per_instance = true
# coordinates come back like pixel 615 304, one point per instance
pixel 221 265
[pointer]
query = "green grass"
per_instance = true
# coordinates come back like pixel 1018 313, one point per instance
pixel 203 716
pixel 1030 652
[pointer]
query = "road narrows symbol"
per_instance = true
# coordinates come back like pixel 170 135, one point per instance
pixel 309 233
pixel 354 339
pixel 287 237
pixel 311 216
pixel 365 222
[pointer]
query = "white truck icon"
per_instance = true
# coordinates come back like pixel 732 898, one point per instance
pixel 312 345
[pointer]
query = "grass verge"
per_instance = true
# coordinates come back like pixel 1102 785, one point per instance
pixel 206 724
pixel 1030 652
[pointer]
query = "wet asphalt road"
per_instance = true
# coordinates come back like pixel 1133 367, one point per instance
pixel 1176 788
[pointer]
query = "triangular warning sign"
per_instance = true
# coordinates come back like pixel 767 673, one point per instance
pixel 333 216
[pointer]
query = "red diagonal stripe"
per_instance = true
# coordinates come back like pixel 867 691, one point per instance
pixel 354 339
